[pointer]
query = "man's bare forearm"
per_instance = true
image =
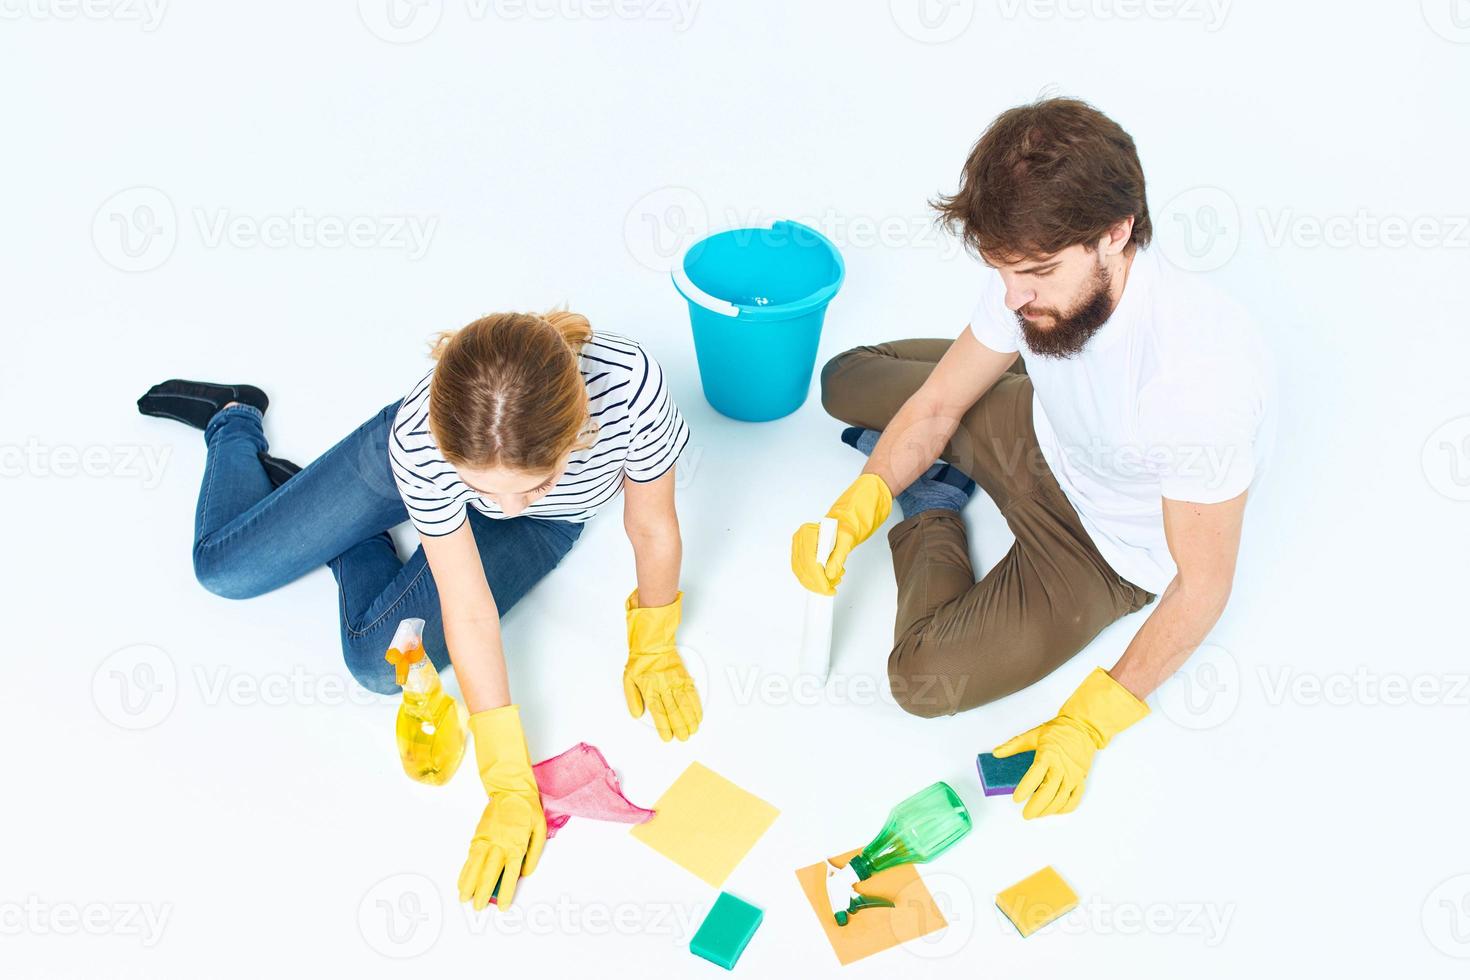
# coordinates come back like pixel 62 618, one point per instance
pixel 911 443
pixel 1178 626
pixel 1204 540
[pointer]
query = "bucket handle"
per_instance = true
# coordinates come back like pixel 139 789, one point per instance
pixel 714 304
pixel 698 296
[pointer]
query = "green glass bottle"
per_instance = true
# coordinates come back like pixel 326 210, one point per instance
pixel 918 830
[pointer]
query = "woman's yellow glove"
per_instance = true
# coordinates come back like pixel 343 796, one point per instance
pixel 508 840
pixel 1064 746
pixel 655 677
pixel 860 511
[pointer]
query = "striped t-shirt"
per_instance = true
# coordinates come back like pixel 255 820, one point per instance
pixel 640 435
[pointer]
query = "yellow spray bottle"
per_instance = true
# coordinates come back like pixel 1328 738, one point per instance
pixel 431 724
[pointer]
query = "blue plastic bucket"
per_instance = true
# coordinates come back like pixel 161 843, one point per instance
pixel 757 297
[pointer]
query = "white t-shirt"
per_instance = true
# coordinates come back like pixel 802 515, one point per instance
pixel 1172 397
pixel 640 435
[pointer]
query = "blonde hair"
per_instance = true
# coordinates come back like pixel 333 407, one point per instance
pixel 508 391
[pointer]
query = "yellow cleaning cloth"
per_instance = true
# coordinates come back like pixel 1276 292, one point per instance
pixel 1037 900
pixel 706 823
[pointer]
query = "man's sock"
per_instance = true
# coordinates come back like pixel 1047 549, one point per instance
pixel 195 402
pixel 863 440
pixel 942 487
pixel 946 489
pixel 279 470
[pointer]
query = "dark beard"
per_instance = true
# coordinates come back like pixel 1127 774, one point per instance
pixel 1072 332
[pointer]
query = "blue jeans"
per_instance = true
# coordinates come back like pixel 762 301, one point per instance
pixel 250 538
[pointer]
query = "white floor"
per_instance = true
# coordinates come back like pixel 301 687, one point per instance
pixel 193 790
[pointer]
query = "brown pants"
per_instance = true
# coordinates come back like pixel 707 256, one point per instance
pixel 958 644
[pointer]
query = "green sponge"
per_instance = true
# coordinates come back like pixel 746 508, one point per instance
pixel 725 931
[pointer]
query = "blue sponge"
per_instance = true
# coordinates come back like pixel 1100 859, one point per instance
pixel 1001 776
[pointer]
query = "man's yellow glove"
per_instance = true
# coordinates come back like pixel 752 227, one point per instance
pixel 860 511
pixel 1064 746
pixel 512 829
pixel 654 677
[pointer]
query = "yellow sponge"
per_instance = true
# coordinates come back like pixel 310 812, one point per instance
pixel 1037 900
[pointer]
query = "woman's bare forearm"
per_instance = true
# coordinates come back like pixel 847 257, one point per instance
pixel 471 619
pixel 657 555
pixel 652 523
pixel 473 637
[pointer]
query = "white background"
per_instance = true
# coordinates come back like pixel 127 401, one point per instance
pixel 1297 796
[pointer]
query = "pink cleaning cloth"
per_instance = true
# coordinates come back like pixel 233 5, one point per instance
pixel 580 783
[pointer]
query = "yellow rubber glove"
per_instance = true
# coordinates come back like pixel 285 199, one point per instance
pixel 1064 746
pixel 860 511
pixel 512 829
pixel 654 677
